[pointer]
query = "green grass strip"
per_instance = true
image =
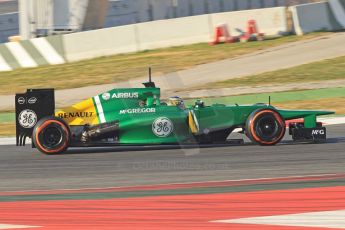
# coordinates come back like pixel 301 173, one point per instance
pixel 277 97
pixel 7 117
pixel 326 70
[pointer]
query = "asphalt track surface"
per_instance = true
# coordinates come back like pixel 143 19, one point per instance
pixel 23 168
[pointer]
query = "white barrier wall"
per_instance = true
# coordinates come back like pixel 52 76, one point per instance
pixel 98 43
pixel 31 53
pixel 167 33
pixel 271 21
pixel 174 32
pixel 313 17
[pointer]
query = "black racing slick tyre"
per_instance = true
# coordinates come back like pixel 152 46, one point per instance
pixel 51 135
pixel 265 127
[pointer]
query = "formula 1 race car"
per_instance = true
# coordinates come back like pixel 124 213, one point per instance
pixel 137 116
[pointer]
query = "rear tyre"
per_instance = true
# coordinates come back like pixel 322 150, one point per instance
pixel 51 135
pixel 265 127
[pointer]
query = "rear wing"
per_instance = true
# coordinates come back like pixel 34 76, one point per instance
pixel 30 108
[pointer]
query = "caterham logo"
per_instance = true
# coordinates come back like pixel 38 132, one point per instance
pixel 27 119
pixel 162 127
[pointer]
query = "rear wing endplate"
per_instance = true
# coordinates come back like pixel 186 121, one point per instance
pixel 30 108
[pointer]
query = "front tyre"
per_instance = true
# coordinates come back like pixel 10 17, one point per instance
pixel 51 135
pixel 265 127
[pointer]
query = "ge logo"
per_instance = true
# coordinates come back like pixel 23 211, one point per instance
pixel 27 118
pixel 162 127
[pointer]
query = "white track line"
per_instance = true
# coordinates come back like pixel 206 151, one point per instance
pixel 100 109
pixel 326 219
pixel 12 226
pixel 24 59
pixel 332 121
pixel 8 141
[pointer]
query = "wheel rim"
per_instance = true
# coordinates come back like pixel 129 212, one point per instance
pixel 268 128
pixel 52 137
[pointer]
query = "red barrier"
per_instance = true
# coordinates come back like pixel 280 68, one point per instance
pixel 222 34
pixel 252 32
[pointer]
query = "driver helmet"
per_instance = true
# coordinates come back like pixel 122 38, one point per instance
pixel 176 101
